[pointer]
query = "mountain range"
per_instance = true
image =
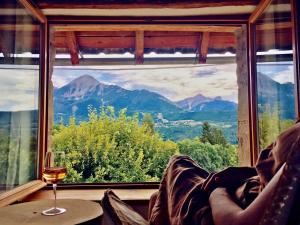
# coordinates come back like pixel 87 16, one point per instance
pixel 76 96
pixel 273 96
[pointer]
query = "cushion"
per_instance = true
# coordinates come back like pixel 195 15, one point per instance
pixel 120 212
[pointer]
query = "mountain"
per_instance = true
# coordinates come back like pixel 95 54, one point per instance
pixel 200 103
pixel 85 91
pixel 273 95
pixel 216 105
pixel 79 88
pixel 192 102
pixel 75 98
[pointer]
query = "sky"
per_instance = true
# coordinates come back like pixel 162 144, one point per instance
pixel 173 82
pixel 19 87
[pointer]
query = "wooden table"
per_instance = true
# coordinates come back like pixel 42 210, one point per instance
pixel 78 211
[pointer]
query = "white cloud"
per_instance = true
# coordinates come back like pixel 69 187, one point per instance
pixel 285 76
pixel 173 82
pixel 19 89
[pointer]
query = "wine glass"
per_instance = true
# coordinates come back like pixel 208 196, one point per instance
pixel 54 171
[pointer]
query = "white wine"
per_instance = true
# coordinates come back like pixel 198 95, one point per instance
pixel 54 174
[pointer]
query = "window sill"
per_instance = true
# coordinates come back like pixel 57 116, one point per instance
pixel 92 194
pixel 19 193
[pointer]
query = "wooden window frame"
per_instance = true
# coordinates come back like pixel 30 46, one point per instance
pixel 262 6
pixel 63 23
pixel 24 190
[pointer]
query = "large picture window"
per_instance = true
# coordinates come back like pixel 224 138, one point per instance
pixel 120 122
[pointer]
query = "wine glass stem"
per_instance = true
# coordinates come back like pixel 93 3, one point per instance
pixel 54 190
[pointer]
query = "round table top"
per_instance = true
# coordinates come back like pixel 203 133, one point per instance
pixel 78 211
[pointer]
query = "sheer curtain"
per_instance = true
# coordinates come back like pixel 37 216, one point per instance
pixel 19 159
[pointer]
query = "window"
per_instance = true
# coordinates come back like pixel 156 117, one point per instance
pixel 121 121
pixel 275 72
pixel 19 100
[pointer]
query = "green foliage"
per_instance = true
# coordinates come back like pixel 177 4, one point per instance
pixel 110 148
pixel 212 135
pixel 211 157
pixel 270 126
pixel 118 148
pixel 148 121
pixel 4 150
pixel 179 132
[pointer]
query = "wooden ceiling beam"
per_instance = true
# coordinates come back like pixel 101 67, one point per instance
pixel 218 40
pixel 203 47
pixel 71 43
pixel 140 27
pixel 36 12
pixel 260 8
pixel 121 4
pixel 139 47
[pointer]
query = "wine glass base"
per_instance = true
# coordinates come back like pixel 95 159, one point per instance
pixel 53 211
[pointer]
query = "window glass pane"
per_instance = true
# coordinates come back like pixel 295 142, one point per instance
pixel 275 72
pixel 121 122
pixel 19 85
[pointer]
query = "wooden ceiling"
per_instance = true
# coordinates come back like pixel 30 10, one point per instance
pixel 145 7
pixel 80 40
pixel 138 38
pixel 126 4
pixel 141 42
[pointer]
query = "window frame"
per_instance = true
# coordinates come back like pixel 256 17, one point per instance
pixel 21 191
pixel 261 8
pixel 81 21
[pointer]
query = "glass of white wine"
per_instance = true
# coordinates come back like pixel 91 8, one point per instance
pixel 54 172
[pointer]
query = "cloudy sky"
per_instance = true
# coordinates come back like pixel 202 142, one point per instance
pixel 174 82
pixel 19 88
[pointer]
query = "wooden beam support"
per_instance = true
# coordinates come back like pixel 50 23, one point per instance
pixel 203 47
pixel 151 40
pixel 119 4
pixel 263 4
pixel 71 42
pixel 139 47
pixel 147 27
pixel 35 11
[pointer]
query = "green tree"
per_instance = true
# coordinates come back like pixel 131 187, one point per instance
pixel 270 126
pixel 210 157
pixel 148 121
pixel 110 148
pixel 212 135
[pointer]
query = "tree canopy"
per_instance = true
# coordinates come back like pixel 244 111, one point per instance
pixel 120 148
